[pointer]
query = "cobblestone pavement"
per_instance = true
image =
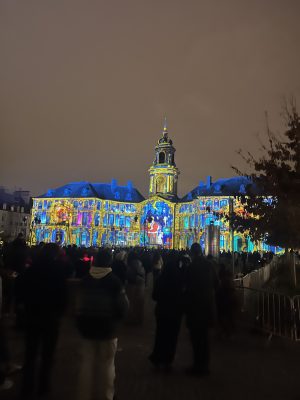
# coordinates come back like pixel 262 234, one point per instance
pixel 247 367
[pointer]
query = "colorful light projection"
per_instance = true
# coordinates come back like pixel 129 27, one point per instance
pixel 156 224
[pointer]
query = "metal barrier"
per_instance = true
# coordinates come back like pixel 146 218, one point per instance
pixel 296 309
pixel 257 278
pixel 270 312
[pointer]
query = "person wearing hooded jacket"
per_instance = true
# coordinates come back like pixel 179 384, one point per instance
pixel 102 304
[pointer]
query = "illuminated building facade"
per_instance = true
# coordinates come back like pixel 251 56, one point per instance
pixel 100 214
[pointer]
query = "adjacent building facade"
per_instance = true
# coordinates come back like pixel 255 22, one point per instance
pixel 14 214
pixel 101 214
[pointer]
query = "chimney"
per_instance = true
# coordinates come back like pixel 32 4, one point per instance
pixel 113 185
pixel 208 182
pixel 129 186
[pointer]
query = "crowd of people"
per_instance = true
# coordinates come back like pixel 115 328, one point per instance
pixel 111 289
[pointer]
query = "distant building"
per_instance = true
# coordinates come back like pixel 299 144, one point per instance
pixel 99 214
pixel 14 214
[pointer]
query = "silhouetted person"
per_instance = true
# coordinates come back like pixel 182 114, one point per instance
pixel 168 293
pixel 16 260
pixel 5 382
pixel 43 290
pixel 135 289
pixel 199 304
pixel 102 304
pixel 157 264
pixel 119 267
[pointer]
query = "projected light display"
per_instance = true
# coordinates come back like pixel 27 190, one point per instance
pixel 157 224
pixel 108 214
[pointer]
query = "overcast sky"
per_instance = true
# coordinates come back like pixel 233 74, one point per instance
pixel 84 86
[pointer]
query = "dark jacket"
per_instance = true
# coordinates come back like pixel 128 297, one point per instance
pixel 42 290
pixel 102 305
pixel 199 292
pixel 135 272
pixel 168 289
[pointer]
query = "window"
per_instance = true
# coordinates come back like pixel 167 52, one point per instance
pixel 160 184
pixel 105 220
pixel 111 219
pixel 162 157
pixel 97 219
pixel 216 204
pixel 122 220
pixel 192 221
pixel 43 217
pixel 84 218
pixel 223 203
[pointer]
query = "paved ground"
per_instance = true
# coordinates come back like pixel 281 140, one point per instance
pixel 248 367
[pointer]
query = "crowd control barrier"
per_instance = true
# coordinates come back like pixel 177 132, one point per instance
pixel 296 307
pixel 271 312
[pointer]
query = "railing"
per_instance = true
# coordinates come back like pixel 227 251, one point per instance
pixel 296 309
pixel 272 312
pixel 257 278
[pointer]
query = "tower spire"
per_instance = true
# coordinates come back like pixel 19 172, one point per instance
pixel 165 130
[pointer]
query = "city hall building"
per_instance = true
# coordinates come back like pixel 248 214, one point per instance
pixel 107 214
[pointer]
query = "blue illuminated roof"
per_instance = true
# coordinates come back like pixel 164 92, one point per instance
pixel 222 187
pixel 105 191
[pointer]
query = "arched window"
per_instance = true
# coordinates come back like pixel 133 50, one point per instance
pixel 162 157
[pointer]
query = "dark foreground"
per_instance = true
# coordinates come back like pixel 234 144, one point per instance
pixel 246 367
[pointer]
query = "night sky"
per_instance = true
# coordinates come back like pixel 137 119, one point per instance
pixel 85 85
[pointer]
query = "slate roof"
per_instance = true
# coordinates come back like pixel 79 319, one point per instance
pixel 105 191
pixel 221 187
pixel 10 198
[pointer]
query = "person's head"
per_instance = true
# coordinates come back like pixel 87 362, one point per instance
pixel 156 257
pixel 132 256
pixel 196 250
pixel 49 253
pixel 121 256
pixel 103 258
pixel 184 260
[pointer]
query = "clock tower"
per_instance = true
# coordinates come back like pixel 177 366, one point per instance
pixel 163 172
